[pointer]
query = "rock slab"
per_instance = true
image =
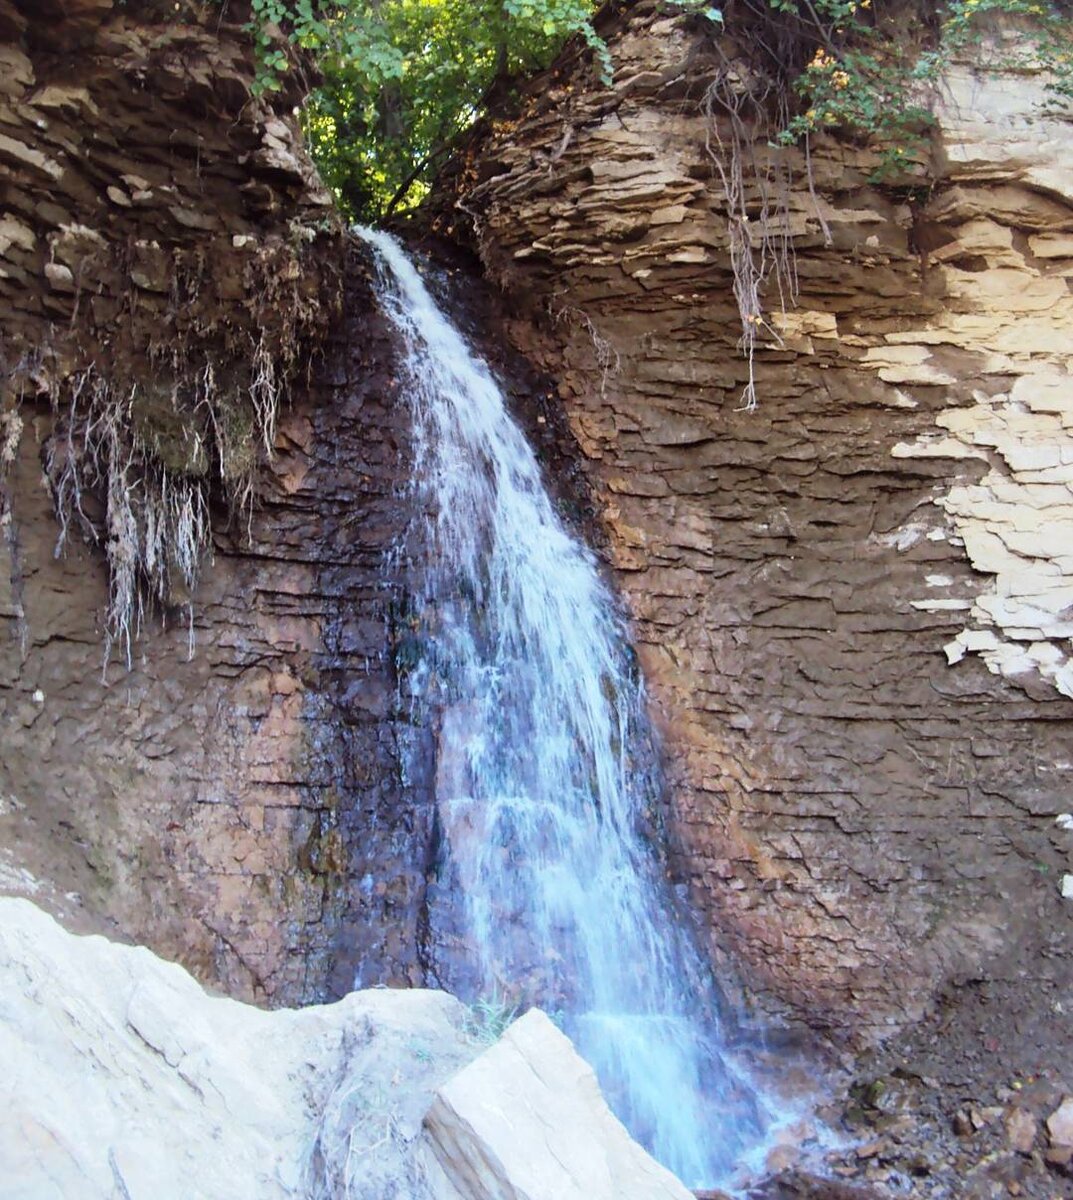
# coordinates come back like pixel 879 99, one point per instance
pixel 527 1121
pixel 123 1077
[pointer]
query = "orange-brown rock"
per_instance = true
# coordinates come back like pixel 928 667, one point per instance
pixel 860 822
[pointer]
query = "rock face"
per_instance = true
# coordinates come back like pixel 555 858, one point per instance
pixel 164 239
pixel 217 806
pixel 122 1077
pixel 859 821
pixel 532 1082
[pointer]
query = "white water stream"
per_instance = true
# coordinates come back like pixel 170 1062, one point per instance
pixel 547 783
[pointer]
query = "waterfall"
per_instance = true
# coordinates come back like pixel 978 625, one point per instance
pixel 547 786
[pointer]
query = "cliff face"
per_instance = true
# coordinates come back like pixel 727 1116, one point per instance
pixel 860 821
pixel 166 252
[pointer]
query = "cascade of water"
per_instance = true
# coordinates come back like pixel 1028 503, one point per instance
pixel 546 777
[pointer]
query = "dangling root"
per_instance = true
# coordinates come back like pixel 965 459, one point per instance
pixel 757 196
pixel 154 528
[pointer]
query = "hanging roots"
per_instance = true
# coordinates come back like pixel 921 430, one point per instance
pixel 142 494
pixel 607 357
pixel 745 108
pixel 760 243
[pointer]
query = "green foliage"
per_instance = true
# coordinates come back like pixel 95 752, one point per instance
pixel 868 75
pixel 402 78
pixel 488 1018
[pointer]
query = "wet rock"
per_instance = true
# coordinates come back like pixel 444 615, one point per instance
pixel 781 1158
pixel 800 1185
pixel 811 550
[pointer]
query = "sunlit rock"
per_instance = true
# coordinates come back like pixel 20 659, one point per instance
pixel 527 1121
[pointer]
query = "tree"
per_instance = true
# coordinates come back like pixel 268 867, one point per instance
pixel 402 78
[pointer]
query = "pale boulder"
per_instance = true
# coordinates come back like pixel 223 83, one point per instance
pixel 527 1121
pixel 122 1077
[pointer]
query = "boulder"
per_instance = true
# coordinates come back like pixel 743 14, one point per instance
pixel 122 1077
pixel 526 1121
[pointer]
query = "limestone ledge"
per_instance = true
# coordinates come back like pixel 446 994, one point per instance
pixel 1014 312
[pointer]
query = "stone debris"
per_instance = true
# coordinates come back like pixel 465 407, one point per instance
pixel 527 1121
pixel 1060 1123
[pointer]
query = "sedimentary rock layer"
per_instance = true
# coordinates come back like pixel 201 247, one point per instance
pixel 860 821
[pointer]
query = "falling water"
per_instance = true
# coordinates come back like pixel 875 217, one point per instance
pixel 547 790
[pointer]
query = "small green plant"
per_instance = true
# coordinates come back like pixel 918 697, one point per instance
pixel 488 1018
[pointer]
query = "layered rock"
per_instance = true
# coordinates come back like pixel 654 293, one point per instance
pixel 217 799
pixel 166 263
pixel 169 258
pixel 859 821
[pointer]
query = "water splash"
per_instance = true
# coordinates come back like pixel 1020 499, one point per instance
pixel 547 787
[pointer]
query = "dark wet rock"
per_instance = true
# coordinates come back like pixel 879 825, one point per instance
pixel 799 1185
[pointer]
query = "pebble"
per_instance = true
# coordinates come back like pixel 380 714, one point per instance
pixel 1060 1123
pixel 1020 1130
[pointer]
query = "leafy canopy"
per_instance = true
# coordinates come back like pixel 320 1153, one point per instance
pixel 401 78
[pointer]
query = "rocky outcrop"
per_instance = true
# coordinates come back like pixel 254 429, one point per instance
pixel 860 822
pixel 155 214
pixel 233 799
pixel 169 263
pixel 121 1076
